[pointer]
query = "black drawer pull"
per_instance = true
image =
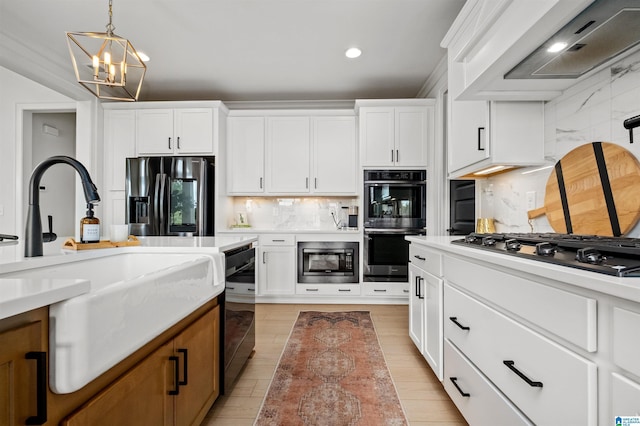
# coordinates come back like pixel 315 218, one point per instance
pixel 454 380
pixel 344 289
pixel 510 365
pixel 311 289
pixel 419 257
pixel 186 373
pixel 380 290
pixel 176 372
pixel 41 388
pixel 455 321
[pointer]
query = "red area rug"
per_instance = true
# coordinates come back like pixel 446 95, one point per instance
pixel 332 372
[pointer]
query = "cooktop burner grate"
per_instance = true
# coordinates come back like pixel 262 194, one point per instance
pixel 618 256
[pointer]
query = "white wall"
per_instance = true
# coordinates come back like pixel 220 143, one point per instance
pixel 15 90
pixel 590 111
pixel 19 97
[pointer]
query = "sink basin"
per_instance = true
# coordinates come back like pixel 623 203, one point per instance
pixel 134 297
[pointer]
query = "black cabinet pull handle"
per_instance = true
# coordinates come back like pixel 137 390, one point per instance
pixel 176 372
pixel 454 380
pixel 420 296
pixel 178 142
pixel 169 143
pixel 455 321
pixel 185 357
pixel 380 290
pixel 511 366
pixel 417 287
pixel 41 391
pixel 480 132
pixel 419 257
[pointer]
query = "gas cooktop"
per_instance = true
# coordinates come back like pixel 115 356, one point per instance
pixel 618 256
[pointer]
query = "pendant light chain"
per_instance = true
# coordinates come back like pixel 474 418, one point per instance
pixel 110 26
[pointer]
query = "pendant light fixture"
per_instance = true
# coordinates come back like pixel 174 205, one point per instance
pixel 106 64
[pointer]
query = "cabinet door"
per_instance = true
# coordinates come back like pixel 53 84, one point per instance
pixel 377 136
pixel 154 133
pixel 119 143
pixel 245 148
pixel 198 350
pixel 416 306
pixel 433 288
pixel 468 133
pixel 18 374
pixel 193 130
pixel 411 136
pixel 140 397
pixel 288 154
pixel 334 153
pixel 277 271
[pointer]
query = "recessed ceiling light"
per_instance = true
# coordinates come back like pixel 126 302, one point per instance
pixel 353 52
pixel 143 56
pixel 556 47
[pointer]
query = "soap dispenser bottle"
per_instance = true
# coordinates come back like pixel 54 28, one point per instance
pixel 90 227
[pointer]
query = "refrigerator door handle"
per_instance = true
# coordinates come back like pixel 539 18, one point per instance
pixel 164 207
pixel 156 206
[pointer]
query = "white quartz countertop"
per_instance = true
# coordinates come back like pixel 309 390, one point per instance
pixel 623 287
pixel 24 294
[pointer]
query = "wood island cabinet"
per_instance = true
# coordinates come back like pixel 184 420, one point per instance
pixel 175 385
pixel 22 374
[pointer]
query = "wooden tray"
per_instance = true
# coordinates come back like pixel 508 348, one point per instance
pixel 71 244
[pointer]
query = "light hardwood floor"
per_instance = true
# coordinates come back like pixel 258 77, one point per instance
pixel 422 396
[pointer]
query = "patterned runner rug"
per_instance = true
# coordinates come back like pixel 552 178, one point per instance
pixel 332 372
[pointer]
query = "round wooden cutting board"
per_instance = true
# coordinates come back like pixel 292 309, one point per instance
pixel 594 190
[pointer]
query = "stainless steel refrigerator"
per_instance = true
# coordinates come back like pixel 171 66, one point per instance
pixel 170 196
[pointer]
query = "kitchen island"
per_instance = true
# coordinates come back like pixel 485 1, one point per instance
pixel 518 341
pixel 30 302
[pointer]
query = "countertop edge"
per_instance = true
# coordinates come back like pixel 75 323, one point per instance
pixel 623 287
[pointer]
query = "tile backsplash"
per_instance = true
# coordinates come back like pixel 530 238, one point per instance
pixel 290 213
pixel 590 111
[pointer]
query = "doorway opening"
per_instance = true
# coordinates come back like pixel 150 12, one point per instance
pixel 47 133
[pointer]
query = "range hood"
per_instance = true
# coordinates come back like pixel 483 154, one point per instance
pixel 603 31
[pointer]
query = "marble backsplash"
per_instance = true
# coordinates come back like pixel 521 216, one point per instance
pixel 592 110
pixel 290 213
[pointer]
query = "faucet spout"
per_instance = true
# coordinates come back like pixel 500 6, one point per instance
pixel 33 233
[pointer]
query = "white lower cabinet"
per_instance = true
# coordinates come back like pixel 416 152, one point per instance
pixel 277 265
pixel 479 401
pixel 625 397
pixel 425 304
pixel 547 382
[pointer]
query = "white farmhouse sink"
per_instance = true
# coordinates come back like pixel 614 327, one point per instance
pixel 134 297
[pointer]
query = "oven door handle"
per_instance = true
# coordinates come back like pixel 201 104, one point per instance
pixel 398 231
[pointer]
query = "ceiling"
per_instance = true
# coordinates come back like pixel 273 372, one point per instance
pixel 240 50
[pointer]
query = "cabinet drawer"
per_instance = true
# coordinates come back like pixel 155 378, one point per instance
pixel 625 397
pixel 329 289
pixel 477 399
pixel 386 289
pixel 548 383
pixel 277 240
pixel 568 315
pixel 626 346
pixel 426 259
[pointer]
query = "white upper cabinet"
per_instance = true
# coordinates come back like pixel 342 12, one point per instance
pixel 288 154
pixel 395 132
pixel 175 131
pixel 484 135
pixel 245 150
pixel 276 153
pixel 334 155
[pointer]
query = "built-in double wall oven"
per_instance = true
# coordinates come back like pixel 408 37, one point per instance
pixel 394 207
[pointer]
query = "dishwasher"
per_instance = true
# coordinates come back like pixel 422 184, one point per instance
pixel 238 323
